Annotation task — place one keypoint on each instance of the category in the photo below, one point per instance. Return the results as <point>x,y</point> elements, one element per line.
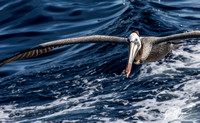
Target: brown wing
<point>178,37</point>
<point>45,47</point>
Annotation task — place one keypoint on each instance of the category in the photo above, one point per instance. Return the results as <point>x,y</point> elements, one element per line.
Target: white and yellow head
<point>134,47</point>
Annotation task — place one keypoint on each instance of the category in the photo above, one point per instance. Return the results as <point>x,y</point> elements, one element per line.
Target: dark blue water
<point>86,82</point>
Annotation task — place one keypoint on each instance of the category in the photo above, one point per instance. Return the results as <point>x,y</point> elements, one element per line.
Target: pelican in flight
<point>141,49</point>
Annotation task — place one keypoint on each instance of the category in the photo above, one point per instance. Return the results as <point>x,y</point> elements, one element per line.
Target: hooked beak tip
<point>128,69</point>
<point>127,75</point>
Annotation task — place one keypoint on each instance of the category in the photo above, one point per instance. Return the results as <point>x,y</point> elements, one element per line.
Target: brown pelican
<point>141,49</point>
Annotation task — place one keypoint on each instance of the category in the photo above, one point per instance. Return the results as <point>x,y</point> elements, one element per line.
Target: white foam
<point>5,112</point>
<point>109,120</point>
<point>78,102</point>
<point>172,110</point>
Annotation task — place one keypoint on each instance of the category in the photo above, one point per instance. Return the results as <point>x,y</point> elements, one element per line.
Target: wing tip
<point>1,65</point>
<point>2,62</point>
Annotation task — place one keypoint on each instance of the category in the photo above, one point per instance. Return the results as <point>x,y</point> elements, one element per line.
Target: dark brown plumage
<point>156,48</point>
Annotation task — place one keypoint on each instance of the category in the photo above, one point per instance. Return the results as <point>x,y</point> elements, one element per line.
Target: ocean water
<point>86,82</point>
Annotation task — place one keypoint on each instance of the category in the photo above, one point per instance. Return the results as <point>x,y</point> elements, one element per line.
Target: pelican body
<point>151,52</point>
<point>141,49</point>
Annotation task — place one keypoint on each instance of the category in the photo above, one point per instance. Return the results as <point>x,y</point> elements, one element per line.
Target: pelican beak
<point>133,49</point>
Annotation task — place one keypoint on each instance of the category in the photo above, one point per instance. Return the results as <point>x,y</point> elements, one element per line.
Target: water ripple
<point>85,82</point>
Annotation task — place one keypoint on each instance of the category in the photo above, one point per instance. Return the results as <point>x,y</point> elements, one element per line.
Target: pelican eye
<point>137,42</point>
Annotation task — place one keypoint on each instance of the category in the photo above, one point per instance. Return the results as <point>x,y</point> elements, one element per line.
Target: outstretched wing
<point>178,37</point>
<point>45,47</point>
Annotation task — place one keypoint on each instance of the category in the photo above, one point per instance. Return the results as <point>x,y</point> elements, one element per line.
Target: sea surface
<point>86,82</point>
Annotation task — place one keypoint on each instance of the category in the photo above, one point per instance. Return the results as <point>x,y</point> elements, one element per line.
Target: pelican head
<point>134,47</point>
